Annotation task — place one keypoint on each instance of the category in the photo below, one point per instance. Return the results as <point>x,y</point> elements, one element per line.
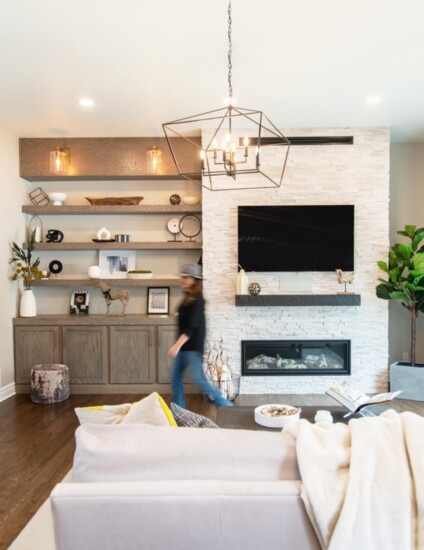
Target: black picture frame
<point>158,300</point>
<point>80,300</point>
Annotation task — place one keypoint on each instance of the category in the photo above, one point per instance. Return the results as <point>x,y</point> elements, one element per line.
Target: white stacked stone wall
<point>315,175</point>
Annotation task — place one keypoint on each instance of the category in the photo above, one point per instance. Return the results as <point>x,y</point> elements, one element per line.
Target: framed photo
<point>80,301</point>
<point>158,300</point>
<point>114,264</point>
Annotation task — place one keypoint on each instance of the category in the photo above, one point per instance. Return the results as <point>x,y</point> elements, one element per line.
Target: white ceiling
<point>304,63</point>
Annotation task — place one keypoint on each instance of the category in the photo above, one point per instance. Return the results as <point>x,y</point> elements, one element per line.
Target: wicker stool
<point>49,383</point>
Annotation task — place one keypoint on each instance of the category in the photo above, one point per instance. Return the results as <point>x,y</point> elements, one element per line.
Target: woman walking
<point>188,349</point>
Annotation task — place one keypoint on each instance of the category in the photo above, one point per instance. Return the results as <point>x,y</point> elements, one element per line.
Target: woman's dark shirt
<point>191,321</point>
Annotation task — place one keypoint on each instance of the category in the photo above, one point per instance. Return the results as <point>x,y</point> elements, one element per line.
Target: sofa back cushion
<point>128,452</point>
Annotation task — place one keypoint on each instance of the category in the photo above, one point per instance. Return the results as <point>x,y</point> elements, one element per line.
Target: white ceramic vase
<point>242,283</point>
<point>28,305</point>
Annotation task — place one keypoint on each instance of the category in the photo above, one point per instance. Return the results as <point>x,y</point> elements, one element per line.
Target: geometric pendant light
<point>231,148</point>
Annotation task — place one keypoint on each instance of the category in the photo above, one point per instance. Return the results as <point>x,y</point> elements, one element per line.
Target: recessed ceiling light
<point>86,102</point>
<point>373,100</point>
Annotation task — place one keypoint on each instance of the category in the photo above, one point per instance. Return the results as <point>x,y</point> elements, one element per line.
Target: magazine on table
<point>354,399</point>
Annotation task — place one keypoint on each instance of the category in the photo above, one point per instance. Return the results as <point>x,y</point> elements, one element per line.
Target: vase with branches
<point>405,277</point>
<point>24,265</point>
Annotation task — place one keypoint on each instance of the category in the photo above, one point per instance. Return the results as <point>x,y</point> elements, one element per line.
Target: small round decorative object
<point>190,226</point>
<point>54,236</point>
<point>323,416</point>
<point>254,289</point>
<point>55,267</point>
<point>276,415</point>
<point>175,199</point>
<point>103,234</point>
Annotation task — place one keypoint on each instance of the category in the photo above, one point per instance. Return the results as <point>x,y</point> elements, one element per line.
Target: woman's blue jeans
<point>193,359</point>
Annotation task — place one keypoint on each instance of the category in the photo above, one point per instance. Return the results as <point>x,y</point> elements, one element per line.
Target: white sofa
<point>146,487</point>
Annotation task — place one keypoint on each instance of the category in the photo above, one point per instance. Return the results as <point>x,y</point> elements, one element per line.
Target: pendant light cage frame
<point>236,164</point>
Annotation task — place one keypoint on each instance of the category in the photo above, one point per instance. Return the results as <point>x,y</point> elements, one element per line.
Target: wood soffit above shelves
<point>103,158</point>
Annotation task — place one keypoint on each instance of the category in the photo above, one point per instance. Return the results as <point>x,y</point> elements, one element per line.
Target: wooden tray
<point>110,201</point>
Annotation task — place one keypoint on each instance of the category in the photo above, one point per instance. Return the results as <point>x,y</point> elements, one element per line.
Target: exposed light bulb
<point>228,138</point>
<point>202,154</point>
<point>86,102</point>
<point>214,144</point>
<point>246,141</point>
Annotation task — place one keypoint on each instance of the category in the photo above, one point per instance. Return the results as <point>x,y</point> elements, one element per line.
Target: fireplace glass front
<point>295,357</point>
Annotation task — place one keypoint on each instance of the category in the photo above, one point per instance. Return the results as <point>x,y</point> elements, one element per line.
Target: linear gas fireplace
<point>295,357</point>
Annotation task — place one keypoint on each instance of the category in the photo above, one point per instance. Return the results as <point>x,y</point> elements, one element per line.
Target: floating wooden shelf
<point>299,300</point>
<point>115,209</point>
<point>172,245</point>
<point>81,282</point>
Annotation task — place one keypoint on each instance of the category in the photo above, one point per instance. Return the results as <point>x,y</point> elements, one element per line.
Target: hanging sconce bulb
<point>59,161</point>
<point>154,160</point>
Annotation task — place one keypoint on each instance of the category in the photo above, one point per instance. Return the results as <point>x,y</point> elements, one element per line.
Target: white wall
<point>13,192</point>
<point>406,207</point>
<point>343,174</point>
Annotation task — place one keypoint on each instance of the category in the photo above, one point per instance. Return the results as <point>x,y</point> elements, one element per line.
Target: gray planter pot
<point>408,379</point>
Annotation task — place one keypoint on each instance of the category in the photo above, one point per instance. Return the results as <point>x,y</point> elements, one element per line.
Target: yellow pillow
<point>150,410</point>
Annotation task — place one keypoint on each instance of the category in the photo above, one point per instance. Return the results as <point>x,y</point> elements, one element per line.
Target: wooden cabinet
<point>166,337</point>
<point>85,351</point>
<point>109,354</point>
<point>132,355</point>
<point>35,345</point>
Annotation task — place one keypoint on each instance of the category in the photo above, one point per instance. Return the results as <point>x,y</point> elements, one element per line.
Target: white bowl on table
<point>267,415</point>
<point>57,198</point>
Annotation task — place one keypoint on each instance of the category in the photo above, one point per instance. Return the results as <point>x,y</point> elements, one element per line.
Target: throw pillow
<point>102,414</point>
<point>150,410</point>
<point>185,418</point>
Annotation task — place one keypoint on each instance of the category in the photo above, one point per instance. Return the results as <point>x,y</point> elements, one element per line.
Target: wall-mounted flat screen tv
<point>296,238</point>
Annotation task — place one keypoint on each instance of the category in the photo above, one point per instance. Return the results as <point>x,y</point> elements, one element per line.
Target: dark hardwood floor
<point>37,446</point>
<point>36,451</point>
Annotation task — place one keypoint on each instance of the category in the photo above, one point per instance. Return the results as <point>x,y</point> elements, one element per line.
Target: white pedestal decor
<point>28,306</point>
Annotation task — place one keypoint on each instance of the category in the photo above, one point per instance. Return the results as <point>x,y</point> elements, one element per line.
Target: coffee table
<point>243,417</point>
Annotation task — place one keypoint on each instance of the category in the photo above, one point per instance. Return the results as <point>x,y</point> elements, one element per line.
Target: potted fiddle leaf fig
<point>405,282</point>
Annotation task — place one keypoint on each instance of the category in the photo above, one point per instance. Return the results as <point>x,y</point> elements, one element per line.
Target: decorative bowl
<point>57,198</point>
<point>114,201</point>
<point>139,275</point>
<point>276,415</point>
<point>191,200</point>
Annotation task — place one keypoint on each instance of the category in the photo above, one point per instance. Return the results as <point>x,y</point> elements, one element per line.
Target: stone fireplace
<point>295,357</point>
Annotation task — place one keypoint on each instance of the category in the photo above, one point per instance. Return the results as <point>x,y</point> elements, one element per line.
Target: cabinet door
<point>34,346</point>
<point>85,353</point>
<point>167,335</point>
<point>132,355</point>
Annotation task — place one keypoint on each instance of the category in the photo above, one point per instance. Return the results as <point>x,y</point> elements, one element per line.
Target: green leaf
<point>418,261</point>
<point>383,291</point>
<point>399,295</point>
<point>418,237</point>
<point>410,230</point>
<point>394,275</point>
<point>383,266</point>
<point>404,251</point>
<point>414,288</point>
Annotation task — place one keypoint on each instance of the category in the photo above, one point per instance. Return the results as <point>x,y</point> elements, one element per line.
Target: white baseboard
<point>7,391</point>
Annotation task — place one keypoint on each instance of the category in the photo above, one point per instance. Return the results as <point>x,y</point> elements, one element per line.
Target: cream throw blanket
<point>363,483</point>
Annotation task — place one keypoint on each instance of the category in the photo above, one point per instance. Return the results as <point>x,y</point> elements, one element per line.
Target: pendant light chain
<point>230,52</point>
